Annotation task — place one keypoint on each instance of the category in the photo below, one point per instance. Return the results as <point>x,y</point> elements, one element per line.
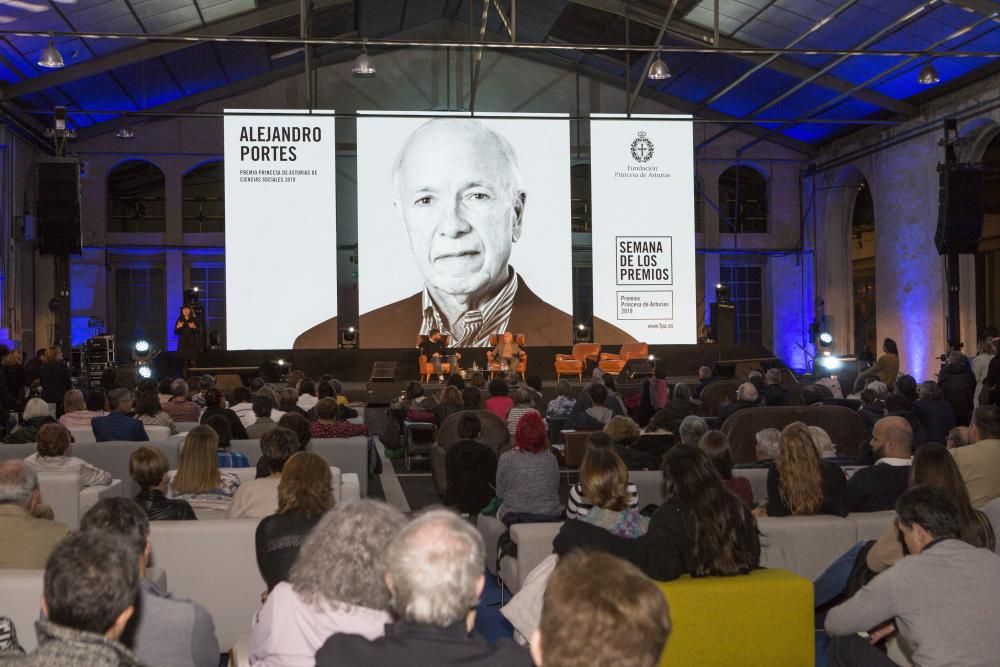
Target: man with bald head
<point>876,488</point>
<point>746,397</point>
<point>457,191</point>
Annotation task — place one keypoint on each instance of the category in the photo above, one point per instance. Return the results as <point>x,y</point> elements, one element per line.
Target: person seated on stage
<point>716,445</point>
<point>774,394</point>
<point>507,352</point>
<point>215,401</point>
<point>523,404</point>
<point>330,422</point>
<point>472,399</point>
<point>259,497</point>
<point>53,456</point>
<point>307,395</point>
<point>624,434</point>
<point>76,414</point>
<point>528,477</point>
<point>263,405</point>
<point>578,503</point>
<point>180,407</point>
<point>746,397</point>
<point>596,415</point>
<point>227,457</point>
<point>499,403</point>
<point>470,469</point>
<point>119,425</point>
<point>561,406</point>
<point>243,407</point>
<point>148,466</point>
<point>436,351</point>
<point>941,599</point>
<point>198,479</point>
<point>957,437</point>
<point>149,411</point>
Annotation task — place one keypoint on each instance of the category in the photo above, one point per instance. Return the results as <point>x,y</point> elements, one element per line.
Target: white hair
<point>434,565</point>
<point>880,388</point>
<point>691,429</point>
<point>17,482</point>
<point>36,407</point>
<point>747,392</point>
<point>767,443</point>
<point>824,445</point>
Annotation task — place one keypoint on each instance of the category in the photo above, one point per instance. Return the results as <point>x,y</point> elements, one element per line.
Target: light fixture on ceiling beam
<point>928,75</point>
<point>658,69</point>
<point>50,58</point>
<point>364,66</point>
<point>125,130</point>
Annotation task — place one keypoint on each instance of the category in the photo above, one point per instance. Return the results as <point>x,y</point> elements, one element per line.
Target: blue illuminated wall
<point>791,281</point>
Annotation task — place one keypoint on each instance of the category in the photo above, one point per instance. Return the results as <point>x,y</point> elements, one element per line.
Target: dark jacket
<point>54,377</point>
<point>958,385</point>
<point>636,459</point>
<point>876,488</point>
<point>418,645</point>
<point>578,534</point>
<point>59,646</point>
<point>188,339</point>
<point>834,491</point>
<point>937,418</point>
<point>677,409</point>
<point>235,425</point>
<point>470,470</point>
<point>727,410</point>
<point>278,540</point>
<point>776,395</point>
<point>118,426</point>
<point>871,414</point>
<point>160,508</point>
<point>28,431</point>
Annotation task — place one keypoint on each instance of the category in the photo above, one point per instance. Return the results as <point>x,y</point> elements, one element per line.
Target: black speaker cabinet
<point>723,323</point>
<point>960,208</point>
<point>57,209</point>
<point>383,393</point>
<point>383,371</point>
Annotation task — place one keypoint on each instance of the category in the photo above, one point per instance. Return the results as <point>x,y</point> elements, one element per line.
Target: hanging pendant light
<point>364,66</point>
<point>659,70</point>
<point>928,75</point>
<point>50,58</point>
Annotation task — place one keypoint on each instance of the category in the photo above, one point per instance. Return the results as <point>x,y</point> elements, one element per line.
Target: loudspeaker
<point>57,219</point>
<point>383,393</point>
<point>383,371</point>
<point>724,323</point>
<point>960,208</point>
<point>639,368</point>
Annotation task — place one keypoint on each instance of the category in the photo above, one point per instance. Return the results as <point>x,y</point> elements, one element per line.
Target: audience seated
<point>826,449</point>
<point>578,503</point>
<point>330,423</point>
<point>119,424</point>
<point>716,445</point>
<point>180,407</point>
<point>624,434</point>
<point>799,483</point>
<point>470,468</point>
<point>75,412</point>
<point>906,386</point>
<point>263,405</point>
<point>337,587</point>
<point>297,424</point>
<point>25,540</point>
<point>600,610</point>
<point>528,477</point>
<point>499,403</point>
<point>199,388</point>
<point>524,402</point>
<point>450,401</point>
<point>979,462</point>
<point>876,488</point>
<point>814,394</point>
<point>958,386</point>
<point>670,417</point>
<point>149,411</point>
<point>276,414</point>
<point>705,378</point>
<point>163,390</point>
<point>259,497</point>
<point>53,456</point>
<point>691,429</point>
<point>148,466</point>
<point>90,593</point>
<point>871,409</point>
<point>654,395</point>
<point>472,399</point>
<point>561,406</point>
<point>774,394</point>
<point>591,411</point>
<point>53,375</point>
<point>435,577</point>
<point>307,395</point>
<point>166,630</point>
<point>198,479</point>
<point>609,519</point>
<point>304,496</point>
<point>957,437</point>
<point>227,457</point>
<point>941,599</point>
<point>215,402</point>
<point>766,449</point>
<point>614,398</point>
<point>701,529</point>
<point>746,397</point>
<point>243,407</point>
<point>288,401</point>
<point>897,405</point>
<point>935,414</point>
<point>35,415</point>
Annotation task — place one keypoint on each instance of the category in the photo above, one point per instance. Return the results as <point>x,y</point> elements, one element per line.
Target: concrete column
<point>175,280</point>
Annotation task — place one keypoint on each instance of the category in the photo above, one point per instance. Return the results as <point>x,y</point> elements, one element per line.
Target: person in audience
<point>871,409</point>
<point>14,376</point>
<point>25,540</point>
<point>75,412</point>
<point>470,468</point>
<point>578,504</point>
<point>228,458</point>
<point>198,479</point>
<point>897,405</point>
<point>304,496</point>
<point>611,521</point>
<point>533,383</point>
<point>701,529</point>
<point>338,390</point>
<point>814,394</point>
<point>624,434</point>
<point>32,365</point>
<point>54,376</point>
<point>958,386</point>
<point>52,456</point>
<point>876,488</point>
<point>119,424</point>
<point>415,398</point>
<point>330,423</point>
<point>886,368</point>
<point>561,406</point>
<point>434,573</point>
<point>36,414</point>
<point>499,403</point>
<point>259,497</point>
<point>472,399</point>
<point>935,414</point>
<point>654,395</point>
<point>263,405</point>
<point>691,429</point>
<point>215,402</point>
<point>243,407</point>
<point>705,378</point>
<point>528,477</point>
<point>287,401</point>
<point>746,397</point>
<point>800,483</point>
<point>478,380</point>
<point>89,595</point>
<point>325,390</point>
<point>774,394</point>
<point>766,450</point>
<point>756,378</point>
<point>941,599</point>
<point>456,381</point>
<point>307,395</point>
<point>149,411</point>
<point>618,618</point>
<point>148,466</point>
<point>980,365</point>
<point>716,445</point>
<point>523,404</point>
<point>825,447</point>
<point>294,378</point>
<point>957,437</point>
<point>167,630</point>
<point>298,425</point>
<point>906,386</point>
<point>163,390</point>
<point>337,585</point>
<point>449,403</point>
<point>596,414</point>
<point>276,414</point>
<point>614,397</point>
<point>679,408</point>
<point>979,462</point>
<point>180,407</point>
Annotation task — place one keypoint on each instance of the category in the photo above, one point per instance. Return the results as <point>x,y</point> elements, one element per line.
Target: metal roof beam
<point>984,7</point>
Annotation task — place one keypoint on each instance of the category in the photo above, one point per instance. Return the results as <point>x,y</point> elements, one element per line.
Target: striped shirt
<point>476,326</point>
<point>578,505</point>
<point>515,414</point>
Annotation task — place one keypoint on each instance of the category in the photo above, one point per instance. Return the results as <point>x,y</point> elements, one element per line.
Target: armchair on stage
<point>576,363</point>
<point>424,363</point>
<point>615,363</point>
<point>493,365</point>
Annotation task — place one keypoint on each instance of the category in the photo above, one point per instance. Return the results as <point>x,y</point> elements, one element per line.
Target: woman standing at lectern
<point>188,338</point>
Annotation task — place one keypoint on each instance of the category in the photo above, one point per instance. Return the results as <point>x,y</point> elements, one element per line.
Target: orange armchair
<point>573,364</point>
<point>615,363</point>
<point>493,365</point>
<point>426,366</point>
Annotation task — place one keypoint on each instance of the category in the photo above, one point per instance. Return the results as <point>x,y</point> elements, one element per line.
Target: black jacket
<point>936,417</point>
<point>54,377</point>
<point>776,395</point>
<point>418,645</point>
<point>876,488</point>
<point>471,469</point>
<point>726,411</point>
<point>160,508</point>
<point>636,459</point>
<point>958,385</point>
<point>578,534</point>
<point>239,431</point>
<point>677,409</point>
<point>834,491</point>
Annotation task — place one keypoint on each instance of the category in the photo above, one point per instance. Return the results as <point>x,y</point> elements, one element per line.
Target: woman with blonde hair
<point>800,483</point>
<point>198,479</point>
<point>75,412</point>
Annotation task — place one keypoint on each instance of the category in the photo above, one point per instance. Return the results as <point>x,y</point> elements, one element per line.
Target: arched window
<point>137,198</point>
<point>204,199</point>
<point>742,201</point>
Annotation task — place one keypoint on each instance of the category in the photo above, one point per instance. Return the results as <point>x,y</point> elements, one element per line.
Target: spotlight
<point>721,293</point>
<point>652,358</point>
<point>580,327</point>
<point>142,346</point>
<point>50,58</point>
<point>928,75</point>
<point>145,372</point>
<point>831,363</point>
<point>350,329</point>
<point>826,339</point>
<point>582,334</point>
<point>349,338</point>
<point>364,66</point>
<point>196,289</point>
<point>281,362</point>
<point>659,70</point>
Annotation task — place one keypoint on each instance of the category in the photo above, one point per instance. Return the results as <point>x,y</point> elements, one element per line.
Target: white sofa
<point>69,499</point>
<point>20,601</point>
<point>348,454</point>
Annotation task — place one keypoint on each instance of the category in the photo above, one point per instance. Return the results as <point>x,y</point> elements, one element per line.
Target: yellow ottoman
<point>763,618</point>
